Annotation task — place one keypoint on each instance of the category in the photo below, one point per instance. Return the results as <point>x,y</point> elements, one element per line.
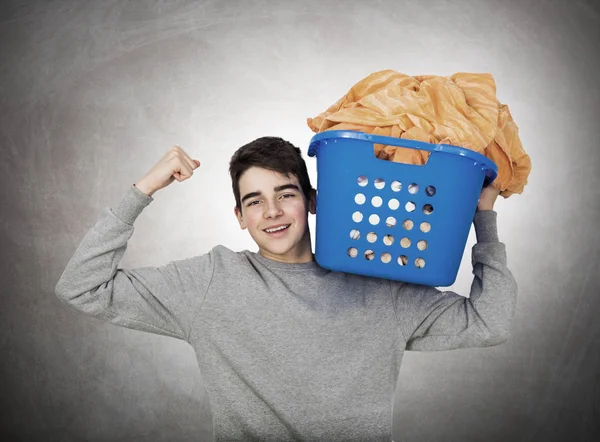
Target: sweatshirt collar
<point>272,264</point>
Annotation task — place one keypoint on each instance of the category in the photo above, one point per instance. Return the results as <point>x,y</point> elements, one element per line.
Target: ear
<point>239,217</point>
<point>312,202</point>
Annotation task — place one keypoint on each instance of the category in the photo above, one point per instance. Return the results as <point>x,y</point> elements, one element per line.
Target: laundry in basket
<point>390,220</point>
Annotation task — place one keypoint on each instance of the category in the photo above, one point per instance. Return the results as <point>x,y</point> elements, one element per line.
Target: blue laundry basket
<point>390,220</point>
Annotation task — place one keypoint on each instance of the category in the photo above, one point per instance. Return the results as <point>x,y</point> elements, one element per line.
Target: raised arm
<point>431,319</point>
<point>161,300</point>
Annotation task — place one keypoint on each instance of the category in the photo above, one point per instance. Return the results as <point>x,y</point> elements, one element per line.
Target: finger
<point>180,171</point>
<point>188,160</point>
<point>186,171</point>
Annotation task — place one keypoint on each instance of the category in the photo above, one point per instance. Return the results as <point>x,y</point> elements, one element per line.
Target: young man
<point>288,350</point>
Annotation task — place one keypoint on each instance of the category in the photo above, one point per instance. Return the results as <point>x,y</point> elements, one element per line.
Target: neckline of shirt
<point>270,263</point>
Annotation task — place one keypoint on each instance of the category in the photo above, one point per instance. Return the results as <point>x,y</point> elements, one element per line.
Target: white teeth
<point>277,229</point>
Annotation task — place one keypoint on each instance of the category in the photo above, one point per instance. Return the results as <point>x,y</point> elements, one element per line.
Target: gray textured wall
<point>92,95</point>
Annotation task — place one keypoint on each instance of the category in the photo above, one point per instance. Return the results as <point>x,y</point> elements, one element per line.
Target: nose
<point>273,210</point>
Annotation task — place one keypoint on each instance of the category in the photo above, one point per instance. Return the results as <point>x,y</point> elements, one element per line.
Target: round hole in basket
<point>376,201</point>
<point>357,217</point>
<point>352,252</point>
<point>425,227</point>
<point>427,209</point>
<point>371,237</point>
<point>388,240</point>
<point>386,257</point>
<point>403,260</point>
<point>396,186</point>
<point>410,206</point>
<point>393,204</point>
<point>354,234</point>
<point>369,255</point>
<point>405,242</point>
<point>408,224</point>
<point>379,183</point>
<point>413,188</point>
<point>390,221</point>
<point>421,245</point>
<point>374,219</point>
<point>362,181</point>
<point>430,190</point>
<point>420,263</point>
<point>359,198</point>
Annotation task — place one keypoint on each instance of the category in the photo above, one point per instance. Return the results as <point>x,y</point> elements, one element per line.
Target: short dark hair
<point>271,153</point>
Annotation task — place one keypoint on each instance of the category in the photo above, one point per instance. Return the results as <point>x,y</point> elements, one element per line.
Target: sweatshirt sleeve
<point>161,300</point>
<point>431,319</point>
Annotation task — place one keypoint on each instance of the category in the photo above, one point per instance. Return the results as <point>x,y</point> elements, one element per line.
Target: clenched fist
<point>174,165</point>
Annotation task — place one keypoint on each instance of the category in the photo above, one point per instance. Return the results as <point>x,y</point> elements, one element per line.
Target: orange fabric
<point>461,110</point>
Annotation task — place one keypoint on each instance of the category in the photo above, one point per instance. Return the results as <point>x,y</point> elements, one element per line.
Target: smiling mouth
<point>278,229</point>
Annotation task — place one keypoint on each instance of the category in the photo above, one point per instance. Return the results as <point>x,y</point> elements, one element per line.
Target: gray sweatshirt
<point>289,351</point>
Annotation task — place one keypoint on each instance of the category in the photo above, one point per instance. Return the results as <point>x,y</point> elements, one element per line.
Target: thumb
<point>197,163</point>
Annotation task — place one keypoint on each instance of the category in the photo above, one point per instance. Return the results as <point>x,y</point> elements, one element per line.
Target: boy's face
<point>270,200</point>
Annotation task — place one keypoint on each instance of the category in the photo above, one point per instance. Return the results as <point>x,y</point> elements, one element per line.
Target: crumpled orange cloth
<point>461,110</point>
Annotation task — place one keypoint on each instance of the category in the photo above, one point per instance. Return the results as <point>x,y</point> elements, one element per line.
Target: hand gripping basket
<point>392,220</point>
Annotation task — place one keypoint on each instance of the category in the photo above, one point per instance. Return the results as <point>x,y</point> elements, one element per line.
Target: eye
<point>252,203</point>
<point>285,195</point>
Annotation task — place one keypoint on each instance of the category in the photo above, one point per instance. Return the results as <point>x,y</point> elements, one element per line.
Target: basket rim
<point>382,139</point>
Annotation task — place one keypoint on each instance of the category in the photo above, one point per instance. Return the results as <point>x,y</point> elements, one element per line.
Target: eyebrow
<point>276,189</point>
